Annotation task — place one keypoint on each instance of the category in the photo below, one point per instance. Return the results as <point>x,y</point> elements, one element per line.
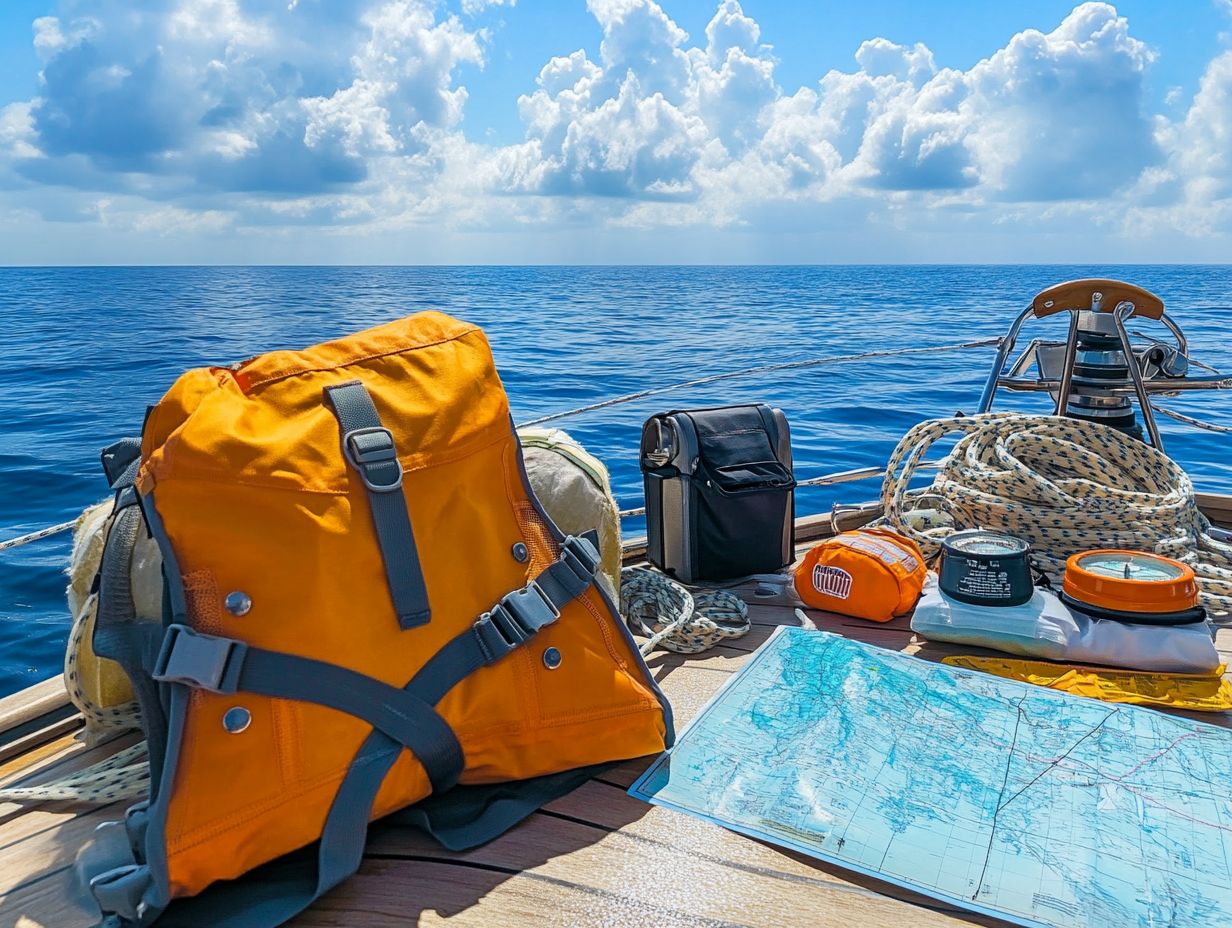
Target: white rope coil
<point>669,615</point>
<point>123,716</point>
<point>1065,486</point>
<point>126,774</point>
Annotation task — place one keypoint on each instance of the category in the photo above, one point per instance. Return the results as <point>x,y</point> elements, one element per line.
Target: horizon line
<point>546,265</point>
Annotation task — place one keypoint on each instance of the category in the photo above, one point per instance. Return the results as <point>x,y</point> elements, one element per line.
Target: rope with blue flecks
<point>37,536</point>
<point>123,775</point>
<point>1065,486</point>
<point>668,614</point>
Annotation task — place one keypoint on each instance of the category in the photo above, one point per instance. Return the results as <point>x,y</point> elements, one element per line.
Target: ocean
<point>87,349</point>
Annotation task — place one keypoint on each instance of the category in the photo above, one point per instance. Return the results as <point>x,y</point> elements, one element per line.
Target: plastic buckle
<point>121,891</point>
<point>203,661</point>
<point>531,607</point>
<point>371,451</point>
<point>514,620</point>
<point>581,556</point>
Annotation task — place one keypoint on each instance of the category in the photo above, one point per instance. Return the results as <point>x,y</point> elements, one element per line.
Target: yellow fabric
<point>97,686</point>
<point>1202,693</point>
<point>90,679</point>
<point>92,682</point>
<point>245,470</point>
<point>103,681</point>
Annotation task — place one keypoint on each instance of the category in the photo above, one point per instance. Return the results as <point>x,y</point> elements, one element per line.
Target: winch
<point>1100,366</point>
<point>984,568</point>
<point>1095,372</point>
<point>1133,587</point>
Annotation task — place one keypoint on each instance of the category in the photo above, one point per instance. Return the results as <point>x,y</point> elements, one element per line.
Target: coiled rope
<point>1064,485</point>
<point>669,615</point>
<point>123,716</point>
<point>124,775</point>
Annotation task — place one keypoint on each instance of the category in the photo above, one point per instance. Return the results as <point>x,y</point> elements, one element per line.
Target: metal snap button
<point>236,719</point>
<point>551,658</point>
<point>238,603</point>
<point>521,553</point>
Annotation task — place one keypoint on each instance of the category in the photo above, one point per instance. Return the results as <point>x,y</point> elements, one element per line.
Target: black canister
<point>984,568</point>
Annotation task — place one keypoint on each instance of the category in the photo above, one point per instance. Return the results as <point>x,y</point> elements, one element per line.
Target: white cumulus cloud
<point>257,97</point>
<point>1051,116</point>
<point>353,116</point>
<point>1204,140</point>
<point>1063,115</point>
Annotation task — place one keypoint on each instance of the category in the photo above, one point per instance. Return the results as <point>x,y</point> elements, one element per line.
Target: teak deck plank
<point>597,856</point>
<point>31,703</point>
<point>594,857</point>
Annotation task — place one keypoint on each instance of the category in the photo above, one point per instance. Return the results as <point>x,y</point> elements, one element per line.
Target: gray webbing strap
<point>461,656</point>
<point>511,622</point>
<point>115,582</point>
<point>120,462</point>
<point>118,634</point>
<point>224,665</point>
<point>278,891</point>
<point>473,814</point>
<point>369,448</point>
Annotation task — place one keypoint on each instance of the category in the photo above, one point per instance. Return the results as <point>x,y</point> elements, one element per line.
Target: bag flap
<point>736,449</point>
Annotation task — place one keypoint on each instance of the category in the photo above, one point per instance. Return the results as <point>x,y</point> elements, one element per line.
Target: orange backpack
<point>364,605</point>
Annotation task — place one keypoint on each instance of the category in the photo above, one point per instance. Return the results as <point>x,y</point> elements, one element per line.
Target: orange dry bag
<point>870,573</point>
<point>364,605</point>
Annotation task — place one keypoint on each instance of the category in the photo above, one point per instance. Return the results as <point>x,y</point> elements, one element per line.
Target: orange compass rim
<point>1126,595</point>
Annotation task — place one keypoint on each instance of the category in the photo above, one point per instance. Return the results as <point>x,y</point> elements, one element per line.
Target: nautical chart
<point>998,796</point>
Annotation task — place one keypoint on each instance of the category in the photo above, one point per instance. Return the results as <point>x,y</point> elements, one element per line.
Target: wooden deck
<point>596,857</point>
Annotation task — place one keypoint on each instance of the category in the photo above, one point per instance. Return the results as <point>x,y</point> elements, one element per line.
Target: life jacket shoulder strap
<point>370,450</point>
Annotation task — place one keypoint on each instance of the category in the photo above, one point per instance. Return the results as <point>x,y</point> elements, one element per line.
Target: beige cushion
<point>576,493</point>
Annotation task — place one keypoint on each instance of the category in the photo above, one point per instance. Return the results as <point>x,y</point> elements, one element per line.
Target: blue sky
<point>409,131</point>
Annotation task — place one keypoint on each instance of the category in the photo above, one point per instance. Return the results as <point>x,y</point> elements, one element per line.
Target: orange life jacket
<point>364,606</point>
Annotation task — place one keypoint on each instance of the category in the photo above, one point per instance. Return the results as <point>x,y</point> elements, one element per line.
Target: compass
<point>1132,586</point>
<point>984,568</point>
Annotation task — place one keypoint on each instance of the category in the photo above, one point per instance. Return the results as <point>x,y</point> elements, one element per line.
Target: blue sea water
<point>85,350</point>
